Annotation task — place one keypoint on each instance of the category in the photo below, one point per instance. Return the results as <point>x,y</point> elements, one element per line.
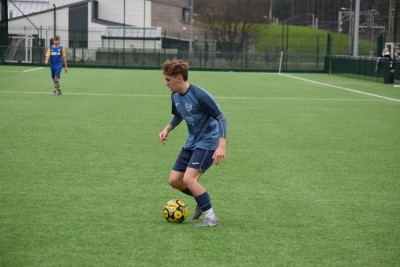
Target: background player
<point>57,56</point>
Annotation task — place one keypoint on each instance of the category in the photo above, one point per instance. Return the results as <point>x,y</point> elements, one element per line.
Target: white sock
<point>209,214</point>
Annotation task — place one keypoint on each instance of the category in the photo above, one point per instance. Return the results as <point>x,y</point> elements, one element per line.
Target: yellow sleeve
<point>64,54</point>
<point>48,52</point>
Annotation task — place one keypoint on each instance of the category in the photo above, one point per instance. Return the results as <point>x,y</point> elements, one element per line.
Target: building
<point>91,27</point>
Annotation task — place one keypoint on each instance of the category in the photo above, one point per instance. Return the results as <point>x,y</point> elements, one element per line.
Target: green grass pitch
<point>312,179</point>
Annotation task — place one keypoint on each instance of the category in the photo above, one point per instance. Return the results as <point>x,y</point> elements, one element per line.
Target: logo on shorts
<point>188,106</point>
<point>195,163</point>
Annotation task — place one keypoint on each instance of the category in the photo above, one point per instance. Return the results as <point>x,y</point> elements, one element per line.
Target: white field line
<point>342,88</point>
<point>33,69</point>
<point>294,98</point>
<point>217,97</point>
<point>11,71</point>
<point>19,71</point>
<point>85,94</point>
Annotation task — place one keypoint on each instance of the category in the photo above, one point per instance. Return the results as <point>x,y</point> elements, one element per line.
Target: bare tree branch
<point>231,22</point>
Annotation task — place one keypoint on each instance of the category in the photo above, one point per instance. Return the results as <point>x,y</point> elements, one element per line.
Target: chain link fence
<point>289,53</point>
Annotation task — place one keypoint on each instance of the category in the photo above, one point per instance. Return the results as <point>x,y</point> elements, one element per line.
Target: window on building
<point>186,15</point>
<point>78,26</point>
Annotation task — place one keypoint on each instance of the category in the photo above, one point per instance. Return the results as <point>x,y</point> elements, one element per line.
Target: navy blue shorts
<point>199,159</point>
<point>56,72</point>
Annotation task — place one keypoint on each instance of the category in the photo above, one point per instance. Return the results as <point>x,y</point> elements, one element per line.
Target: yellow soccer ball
<point>175,211</point>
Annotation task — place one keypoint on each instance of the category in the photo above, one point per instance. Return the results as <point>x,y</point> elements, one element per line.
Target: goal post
<point>280,62</point>
<point>19,49</point>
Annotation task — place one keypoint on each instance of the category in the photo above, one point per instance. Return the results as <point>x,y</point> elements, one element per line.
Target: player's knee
<point>188,180</point>
<point>175,183</point>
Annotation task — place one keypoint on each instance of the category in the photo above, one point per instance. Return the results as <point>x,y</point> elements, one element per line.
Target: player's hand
<point>65,69</point>
<point>163,136</point>
<point>220,155</point>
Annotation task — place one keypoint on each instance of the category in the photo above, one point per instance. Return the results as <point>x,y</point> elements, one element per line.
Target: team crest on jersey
<point>188,106</point>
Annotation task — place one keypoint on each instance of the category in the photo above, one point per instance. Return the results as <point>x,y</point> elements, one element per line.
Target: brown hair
<point>56,38</point>
<point>175,68</point>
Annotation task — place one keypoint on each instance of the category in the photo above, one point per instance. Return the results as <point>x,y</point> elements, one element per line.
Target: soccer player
<point>57,56</point>
<point>206,141</point>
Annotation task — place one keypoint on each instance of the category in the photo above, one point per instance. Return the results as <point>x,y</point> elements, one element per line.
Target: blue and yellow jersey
<point>56,55</point>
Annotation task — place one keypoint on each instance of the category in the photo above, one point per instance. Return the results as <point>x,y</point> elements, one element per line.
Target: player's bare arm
<point>220,153</point>
<point>46,61</point>
<point>64,59</point>
<point>65,65</point>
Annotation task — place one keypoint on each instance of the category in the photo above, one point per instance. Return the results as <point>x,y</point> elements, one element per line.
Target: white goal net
<point>19,50</point>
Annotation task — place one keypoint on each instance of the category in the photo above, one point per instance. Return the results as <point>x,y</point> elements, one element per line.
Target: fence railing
<point>374,68</point>
<point>149,58</point>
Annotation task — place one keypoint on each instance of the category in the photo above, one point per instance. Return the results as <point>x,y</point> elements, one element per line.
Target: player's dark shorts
<point>56,72</point>
<point>199,159</point>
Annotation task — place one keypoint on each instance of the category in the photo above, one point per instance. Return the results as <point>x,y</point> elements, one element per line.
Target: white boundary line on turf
<point>342,88</point>
<point>15,71</point>
<point>293,98</point>
<point>19,71</point>
<point>33,69</point>
<point>217,97</point>
<point>85,94</point>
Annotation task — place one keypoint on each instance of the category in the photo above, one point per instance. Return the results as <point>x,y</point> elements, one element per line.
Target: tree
<point>232,23</point>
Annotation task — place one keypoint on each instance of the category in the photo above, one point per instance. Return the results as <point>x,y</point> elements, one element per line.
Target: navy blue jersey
<point>203,118</point>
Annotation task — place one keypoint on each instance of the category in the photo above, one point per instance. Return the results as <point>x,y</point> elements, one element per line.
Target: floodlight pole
<point>356,28</point>
<point>144,30</point>
<point>124,25</point>
<point>55,19</point>
<point>395,23</point>
<point>123,38</point>
<point>350,25</point>
<point>191,31</point>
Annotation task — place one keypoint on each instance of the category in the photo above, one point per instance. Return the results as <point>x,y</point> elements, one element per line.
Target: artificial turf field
<point>312,179</point>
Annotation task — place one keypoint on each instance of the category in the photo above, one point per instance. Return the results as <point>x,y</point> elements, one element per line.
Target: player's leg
<point>186,179</point>
<point>57,76</point>
<point>201,160</point>
<point>53,75</point>
<point>56,83</point>
<point>191,180</point>
<point>178,170</point>
<point>202,197</point>
<point>198,211</point>
<point>175,180</point>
